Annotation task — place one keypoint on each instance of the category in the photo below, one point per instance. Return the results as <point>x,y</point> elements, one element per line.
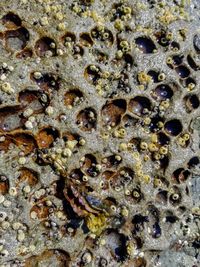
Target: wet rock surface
<point>99,133</point>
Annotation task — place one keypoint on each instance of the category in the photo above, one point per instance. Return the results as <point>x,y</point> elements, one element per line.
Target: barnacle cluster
<point>99,133</point>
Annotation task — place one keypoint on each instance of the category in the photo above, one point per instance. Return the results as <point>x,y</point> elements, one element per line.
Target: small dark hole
<point>182,71</point>
<point>146,45</point>
<point>173,127</point>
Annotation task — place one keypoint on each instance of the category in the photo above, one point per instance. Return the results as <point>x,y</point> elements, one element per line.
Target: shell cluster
<point>99,133</point>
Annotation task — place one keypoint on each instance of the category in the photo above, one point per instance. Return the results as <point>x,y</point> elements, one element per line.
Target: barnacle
<point>99,133</point>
